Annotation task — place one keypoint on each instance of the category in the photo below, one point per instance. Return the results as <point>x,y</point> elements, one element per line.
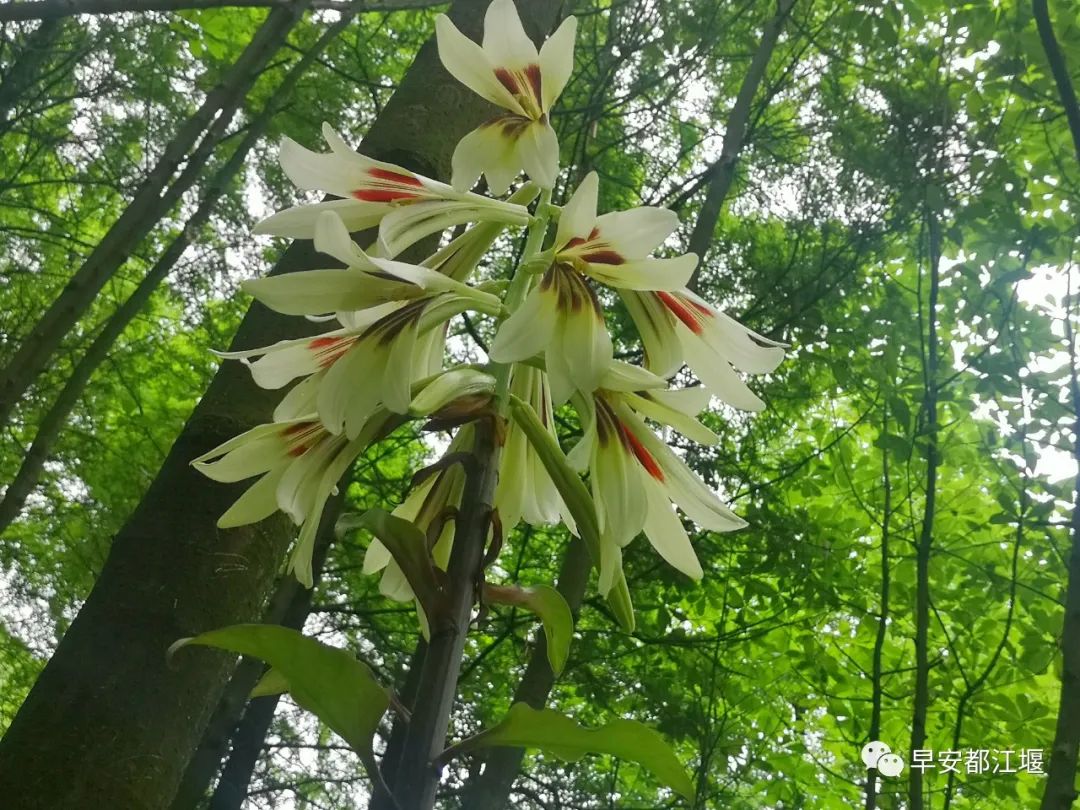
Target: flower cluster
<point>383,363</point>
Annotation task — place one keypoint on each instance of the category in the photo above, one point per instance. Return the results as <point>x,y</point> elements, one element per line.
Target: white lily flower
<point>508,71</point>
<point>678,325</point>
<point>636,477</point>
<point>299,464</point>
<point>406,206</point>
<point>562,316</point>
<point>368,364</point>
<point>614,248</point>
<point>563,319</point>
<point>525,490</point>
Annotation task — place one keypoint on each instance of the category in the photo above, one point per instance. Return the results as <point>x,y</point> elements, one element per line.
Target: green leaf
<point>409,548</point>
<point>328,682</point>
<point>892,443</point>
<point>554,613</point>
<point>271,683</point>
<point>556,734</point>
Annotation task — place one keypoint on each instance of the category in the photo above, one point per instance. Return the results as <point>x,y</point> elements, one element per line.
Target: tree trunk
<point>722,172</point>
<point>926,535</point>
<point>877,687</point>
<point>1060,791</point>
<point>53,422</point>
<point>491,789</point>
<point>108,723</point>
<point>146,208</point>
<point>289,607</point>
<point>55,9</point>
<point>1059,70</point>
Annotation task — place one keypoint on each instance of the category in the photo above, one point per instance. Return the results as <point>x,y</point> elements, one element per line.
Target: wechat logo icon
<point>877,754</point>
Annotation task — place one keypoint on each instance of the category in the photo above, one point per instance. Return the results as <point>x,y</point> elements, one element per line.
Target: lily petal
<point>667,535</point>
<point>645,274</point>
<point>655,325</point>
<point>528,331</point>
<point>538,148</point>
<point>578,216</point>
<point>485,151</point>
<point>557,62</point>
<point>469,64</point>
<point>299,222</point>
<point>505,41</point>
<point>257,503</point>
<point>637,232</point>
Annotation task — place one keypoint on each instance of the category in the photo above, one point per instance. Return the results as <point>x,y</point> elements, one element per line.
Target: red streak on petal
<point>298,451</point>
<point>299,427</point>
<point>595,232</point>
<point>331,347</point>
<point>681,311</point>
<point>643,455</point>
<point>704,310</point>
<point>532,73</point>
<point>383,195</point>
<point>394,177</point>
<point>507,80</point>
<point>573,243</point>
<point>603,257</point>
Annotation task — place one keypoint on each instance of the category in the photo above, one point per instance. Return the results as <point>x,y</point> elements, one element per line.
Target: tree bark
<point>146,208</point>
<point>883,621</point>
<point>924,546</point>
<point>289,607</point>
<point>1059,70</point>
<point>491,789</point>
<point>108,724</point>
<point>53,422</point>
<point>250,734</point>
<point>56,9</point>
<point>721,174</point>
<point>1060,791</point>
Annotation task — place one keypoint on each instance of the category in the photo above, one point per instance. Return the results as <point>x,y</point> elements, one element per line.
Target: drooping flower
<point>406,206</point>
<point>562,316</point>
<point>361,368</point>
<point>677,326</point>
<point>432,508</point>
<point>525,489</point>
<point>635,477</point>
<point>299,464</point>
<point>390,342</point>
<point>508,71</point>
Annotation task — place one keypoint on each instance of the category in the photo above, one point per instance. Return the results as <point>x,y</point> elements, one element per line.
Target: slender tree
<point>1060,792</point>
<point>53,421</point>
<point>925,542</point>
<point>876,685</point>
<point>720,175</point>
<point>152,200</point>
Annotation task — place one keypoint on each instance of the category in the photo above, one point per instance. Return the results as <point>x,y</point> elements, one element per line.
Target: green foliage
<point>524,726</point>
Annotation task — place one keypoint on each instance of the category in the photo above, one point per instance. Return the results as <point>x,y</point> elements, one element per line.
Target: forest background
<point>889,188</point>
